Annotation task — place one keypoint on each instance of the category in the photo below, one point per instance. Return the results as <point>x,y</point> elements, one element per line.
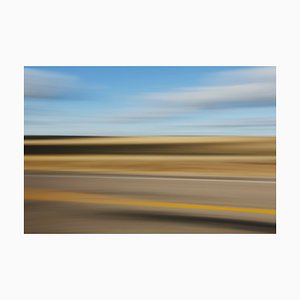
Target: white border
<point>149,33</point>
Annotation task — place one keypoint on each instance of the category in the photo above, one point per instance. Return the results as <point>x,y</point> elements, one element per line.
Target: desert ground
<point>185,156</point>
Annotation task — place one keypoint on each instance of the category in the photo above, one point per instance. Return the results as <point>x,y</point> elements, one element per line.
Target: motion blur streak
<point>228,187</point>
<point>102,199</point>
<point>150,150</point>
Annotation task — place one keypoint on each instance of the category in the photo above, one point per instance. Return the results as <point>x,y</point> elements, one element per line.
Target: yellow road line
<point>38,194</point>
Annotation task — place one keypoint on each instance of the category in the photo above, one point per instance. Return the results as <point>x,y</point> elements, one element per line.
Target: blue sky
<point>150,100</point>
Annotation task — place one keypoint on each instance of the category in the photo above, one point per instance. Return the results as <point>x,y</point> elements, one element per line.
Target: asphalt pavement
<point>112,203</point>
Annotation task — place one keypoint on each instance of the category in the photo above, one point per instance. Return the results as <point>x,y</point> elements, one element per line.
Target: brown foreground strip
<point>49,195</point>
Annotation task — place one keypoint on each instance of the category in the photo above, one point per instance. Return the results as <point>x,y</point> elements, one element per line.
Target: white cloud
<point>45,84</point>
<point>253,87</point>
<point>258,74</point>
<point>249,87</point>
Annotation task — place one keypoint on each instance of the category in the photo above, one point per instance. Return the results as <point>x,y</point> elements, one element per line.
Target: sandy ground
<point>232,156</point>
<point>155,165</point>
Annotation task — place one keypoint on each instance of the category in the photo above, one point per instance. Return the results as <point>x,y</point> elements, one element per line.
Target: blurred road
<point>78,203</point>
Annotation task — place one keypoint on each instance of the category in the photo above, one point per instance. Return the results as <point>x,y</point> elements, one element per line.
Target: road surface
<point>82,203</point>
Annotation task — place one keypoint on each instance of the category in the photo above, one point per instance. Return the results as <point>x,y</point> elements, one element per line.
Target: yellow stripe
<point>38,194</point>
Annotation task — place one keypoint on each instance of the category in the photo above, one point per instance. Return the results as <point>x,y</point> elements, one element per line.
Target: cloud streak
<point>212,106</point>
<point>47,85</point>
<point>253,87</point>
